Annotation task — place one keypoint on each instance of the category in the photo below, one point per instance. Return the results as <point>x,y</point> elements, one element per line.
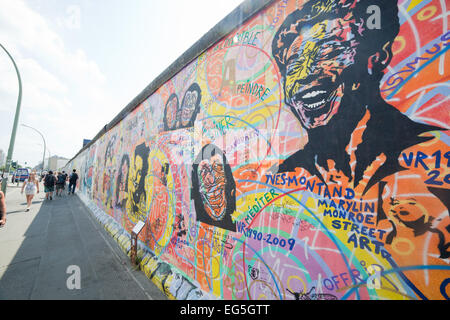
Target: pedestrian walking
<point>73,181</point>
<point>49,185</point>
<point>66,178</point>
<point>31,186</point>
<point>2,209</point>
<point>60,183</point>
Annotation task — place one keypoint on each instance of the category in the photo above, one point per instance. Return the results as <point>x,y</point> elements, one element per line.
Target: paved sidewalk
<point>37,247</point>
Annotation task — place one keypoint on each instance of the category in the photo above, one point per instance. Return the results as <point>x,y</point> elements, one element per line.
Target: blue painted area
<point>437,55</point>
<point>326,230</point>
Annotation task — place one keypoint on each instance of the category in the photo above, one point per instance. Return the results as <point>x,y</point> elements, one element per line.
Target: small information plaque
<point>138,227</point>
<point>134,234</point>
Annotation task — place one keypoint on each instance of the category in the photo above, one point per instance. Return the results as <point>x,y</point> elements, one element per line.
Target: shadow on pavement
<point>42,245</point>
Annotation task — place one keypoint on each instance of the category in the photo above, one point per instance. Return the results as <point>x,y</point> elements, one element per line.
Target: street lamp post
<point>43,157</point>
<point>49,153</point>
<point>16,120</point>
<point>49,157</point>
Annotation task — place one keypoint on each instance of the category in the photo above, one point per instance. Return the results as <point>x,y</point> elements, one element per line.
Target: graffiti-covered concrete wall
<point>304,155</point>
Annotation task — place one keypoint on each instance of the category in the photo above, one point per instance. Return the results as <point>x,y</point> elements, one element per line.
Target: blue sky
<point>83,61</point>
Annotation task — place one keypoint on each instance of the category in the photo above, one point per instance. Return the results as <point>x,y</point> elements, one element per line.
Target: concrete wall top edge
<point>234,19</point>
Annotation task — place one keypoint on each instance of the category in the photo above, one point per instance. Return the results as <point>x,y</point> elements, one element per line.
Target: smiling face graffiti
<point>212,179</point>
<point>182,116</point>
<point>213,188</point>
<point>325,51</point>
<point>331,65</point>
<point>171,112</point>
<point>316,60</point>
<point>188,107</point>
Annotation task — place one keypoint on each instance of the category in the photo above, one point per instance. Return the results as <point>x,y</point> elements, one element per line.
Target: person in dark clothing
<point>73,181</point>
<point>60,183</point>
<point>49,185</point>
<point>65,176</point>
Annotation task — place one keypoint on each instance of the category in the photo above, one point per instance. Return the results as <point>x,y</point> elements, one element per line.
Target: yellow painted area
<point>216,272</point>
<point>413,4</point>
<point>148,266</point>
<point>382,287</point>
<point>323,6</point>
<point>300,70</point>
<point>151,182</point>
<point>241,105</point>
<point>311,203</point>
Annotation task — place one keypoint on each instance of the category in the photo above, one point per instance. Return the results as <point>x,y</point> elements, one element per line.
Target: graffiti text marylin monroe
<point>350,214</point>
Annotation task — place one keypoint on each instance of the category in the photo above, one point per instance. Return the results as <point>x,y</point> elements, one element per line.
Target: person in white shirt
<point>31,186</point>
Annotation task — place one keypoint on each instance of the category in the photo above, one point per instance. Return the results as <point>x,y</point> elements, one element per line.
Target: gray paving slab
<point>37,247</point>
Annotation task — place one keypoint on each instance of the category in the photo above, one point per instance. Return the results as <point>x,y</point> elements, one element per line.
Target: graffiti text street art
<point>303,156</point>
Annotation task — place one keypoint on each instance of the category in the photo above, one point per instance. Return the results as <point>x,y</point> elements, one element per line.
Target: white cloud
<point>65,93</point>
<point>63,90</point>
<point>40,78</point>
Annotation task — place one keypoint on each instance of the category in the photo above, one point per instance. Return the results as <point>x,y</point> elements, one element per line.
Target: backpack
<point>61,179</point>
<point>73,177</point>
<point>49,180</point>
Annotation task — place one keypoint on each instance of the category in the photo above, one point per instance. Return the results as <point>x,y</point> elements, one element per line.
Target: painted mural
<point>303,156</point>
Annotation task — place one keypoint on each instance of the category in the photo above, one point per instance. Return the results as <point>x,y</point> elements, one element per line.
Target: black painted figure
<point>331,63</point>
<point>137,199</point>
<point>122,182</point>
<point>171,112</point>
<point>190,106</point>
<point>213,188</point>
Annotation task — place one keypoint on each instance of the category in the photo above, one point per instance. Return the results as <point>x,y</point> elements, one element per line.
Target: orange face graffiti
<point>188,107</point>
<point>212,186</point>
<point>171,112</point>
<point>317,59</point>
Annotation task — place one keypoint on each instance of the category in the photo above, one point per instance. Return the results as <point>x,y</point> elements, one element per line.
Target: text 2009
<point>270,239</point>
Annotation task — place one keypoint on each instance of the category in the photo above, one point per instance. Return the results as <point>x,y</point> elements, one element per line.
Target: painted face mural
<point>171,112</point>
<point>136,184</point>
<point>109,154</point>
<point>315,48</point>
<point>136,173</point>
<point>213,188</point>
<point>124,170</point>
<point>189,106</point>
<point>331,64</point>
<point>411,215</point>
<point>315,64</point>
<point>212,179</point>
<point>122,182</point>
